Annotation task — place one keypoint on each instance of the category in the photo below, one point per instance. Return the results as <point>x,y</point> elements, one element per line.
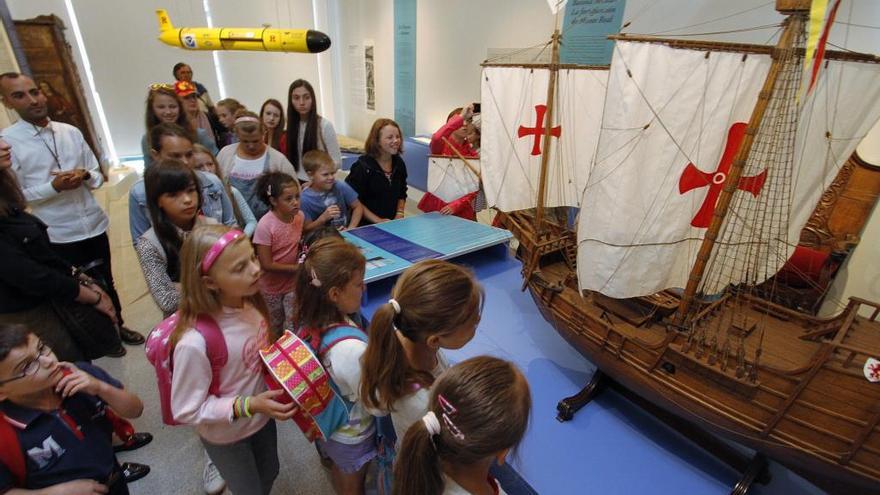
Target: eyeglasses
<point>32,366</point>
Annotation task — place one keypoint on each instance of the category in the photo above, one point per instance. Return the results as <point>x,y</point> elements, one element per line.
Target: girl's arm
<point>264,253</point>
<point>165,292</point>
<point>190,401</point>
<point>247,215</point>
<point>357,212</point>
<point>401,205</point>
<point>369,215</point>
<point>331,142</point>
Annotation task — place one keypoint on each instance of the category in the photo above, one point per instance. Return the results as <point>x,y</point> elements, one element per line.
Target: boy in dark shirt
<point>55,419</point>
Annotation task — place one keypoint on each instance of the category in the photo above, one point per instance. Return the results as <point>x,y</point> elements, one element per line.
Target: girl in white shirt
<point>434,305</point>
<point>479,411</point>
<point>306,130</point>
<point>219,275</point>
<point>329,286</point>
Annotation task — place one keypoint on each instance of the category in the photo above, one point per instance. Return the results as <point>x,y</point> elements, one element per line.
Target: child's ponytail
<point>479,409</point>
<point>418,471</point>
<point>432,297</point>
<point>386,373</point>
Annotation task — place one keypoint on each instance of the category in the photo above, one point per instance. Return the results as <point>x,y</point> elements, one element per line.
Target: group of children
<point>454,422</point>
<point>287,268</point>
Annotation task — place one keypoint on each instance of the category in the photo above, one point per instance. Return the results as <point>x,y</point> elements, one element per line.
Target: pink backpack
<point>159,355</point>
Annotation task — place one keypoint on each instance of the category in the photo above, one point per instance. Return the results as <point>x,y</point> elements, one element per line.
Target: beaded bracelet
<point>236,408</point>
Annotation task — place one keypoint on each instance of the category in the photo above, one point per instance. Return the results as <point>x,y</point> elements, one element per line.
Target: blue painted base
<point>611,445</point>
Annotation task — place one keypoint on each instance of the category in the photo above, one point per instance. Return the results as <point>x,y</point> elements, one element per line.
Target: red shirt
<point>439,147</point>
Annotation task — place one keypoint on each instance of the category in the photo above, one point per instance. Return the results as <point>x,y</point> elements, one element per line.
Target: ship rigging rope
<point>710,21</point>
<point>731,31</point>
<point>514,53</point>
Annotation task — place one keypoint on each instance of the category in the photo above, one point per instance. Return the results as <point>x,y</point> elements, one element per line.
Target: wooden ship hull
<point>806,403</point>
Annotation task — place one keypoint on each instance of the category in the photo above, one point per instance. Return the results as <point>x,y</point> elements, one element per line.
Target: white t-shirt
<point>409,409</point>
<point>246,168</point>
<point>450,487</point>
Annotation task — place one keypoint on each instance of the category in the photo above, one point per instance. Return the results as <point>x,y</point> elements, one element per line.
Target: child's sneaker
<point>214,483</point>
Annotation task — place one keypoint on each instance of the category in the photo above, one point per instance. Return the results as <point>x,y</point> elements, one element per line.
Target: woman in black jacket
<point>31,274</point>
<point>379,175</point>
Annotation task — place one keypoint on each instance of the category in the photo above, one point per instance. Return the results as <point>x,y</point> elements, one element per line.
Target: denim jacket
<point>215,204</point>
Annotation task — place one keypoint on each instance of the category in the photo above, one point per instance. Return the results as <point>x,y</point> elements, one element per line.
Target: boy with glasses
<point>54,421</point>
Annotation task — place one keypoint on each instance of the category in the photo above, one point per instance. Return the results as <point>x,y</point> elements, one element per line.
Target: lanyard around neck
<point>54,149</point>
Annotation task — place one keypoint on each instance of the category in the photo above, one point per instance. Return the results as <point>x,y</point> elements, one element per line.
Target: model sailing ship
<point>695,165</point>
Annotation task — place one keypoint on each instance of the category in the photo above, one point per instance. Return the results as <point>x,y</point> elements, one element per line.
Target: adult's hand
<point>467,112</point>
<point>65,181</point>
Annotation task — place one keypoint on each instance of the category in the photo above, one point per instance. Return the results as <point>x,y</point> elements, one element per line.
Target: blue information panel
<point>405,65</point>
<point>391,247</point>
<point>585,29</point>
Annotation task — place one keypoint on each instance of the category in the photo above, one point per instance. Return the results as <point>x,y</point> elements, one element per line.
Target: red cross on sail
<point>694,178</point>
<point>538,130</point>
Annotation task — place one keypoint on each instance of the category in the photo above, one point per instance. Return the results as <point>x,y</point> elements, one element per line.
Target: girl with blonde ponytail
<point>434,305</point>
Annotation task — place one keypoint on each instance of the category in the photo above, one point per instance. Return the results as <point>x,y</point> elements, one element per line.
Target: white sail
<point>450,178</point>
<point>667,107</point>
<point>513,100</point>
<point>645,208</point>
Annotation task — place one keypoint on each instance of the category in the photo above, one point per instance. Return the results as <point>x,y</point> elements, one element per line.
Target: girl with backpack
<point>329,286</point>
<point>230,407</point>
<point>434,305</point>
<point>478,413</point>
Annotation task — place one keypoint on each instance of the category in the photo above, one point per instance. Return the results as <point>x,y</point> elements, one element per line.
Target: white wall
<point>121,40</point>
<point>453,37</point>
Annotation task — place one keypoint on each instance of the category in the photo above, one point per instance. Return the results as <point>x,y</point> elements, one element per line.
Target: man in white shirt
<point>57,171</point>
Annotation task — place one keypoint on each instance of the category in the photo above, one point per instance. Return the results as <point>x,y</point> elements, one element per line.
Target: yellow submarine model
<point>260,39</point>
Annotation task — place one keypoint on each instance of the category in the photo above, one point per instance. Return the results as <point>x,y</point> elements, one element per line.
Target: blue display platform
<point>611,446</point>
<point>415,154</point>
<point>393,246</point>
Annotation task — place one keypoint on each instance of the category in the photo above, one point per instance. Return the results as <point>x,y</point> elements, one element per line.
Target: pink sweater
<point>245,332</point>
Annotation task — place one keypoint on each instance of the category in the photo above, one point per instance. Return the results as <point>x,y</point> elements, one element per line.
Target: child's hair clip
<point>303,253</point>
<point>447,406</point>
<point>269,190</point>
<point>453,430</point>
<point>315,281</point>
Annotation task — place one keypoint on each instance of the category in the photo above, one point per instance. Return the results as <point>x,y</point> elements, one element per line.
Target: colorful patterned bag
<point>292,365</point>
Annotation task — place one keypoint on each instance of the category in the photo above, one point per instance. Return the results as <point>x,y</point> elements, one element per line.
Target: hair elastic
<point>394,304</point>
<point>302,254</point>
<point>246,118</point>
<point>217,248</point>
<point>432,424</point>
<point>315,281</point>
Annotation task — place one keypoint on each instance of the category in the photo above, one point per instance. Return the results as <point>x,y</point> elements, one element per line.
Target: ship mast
<point>793,26</point>
<point>548,125</point>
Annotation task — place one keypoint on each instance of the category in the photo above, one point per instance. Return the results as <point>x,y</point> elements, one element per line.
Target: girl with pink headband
<point>219,275</point>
